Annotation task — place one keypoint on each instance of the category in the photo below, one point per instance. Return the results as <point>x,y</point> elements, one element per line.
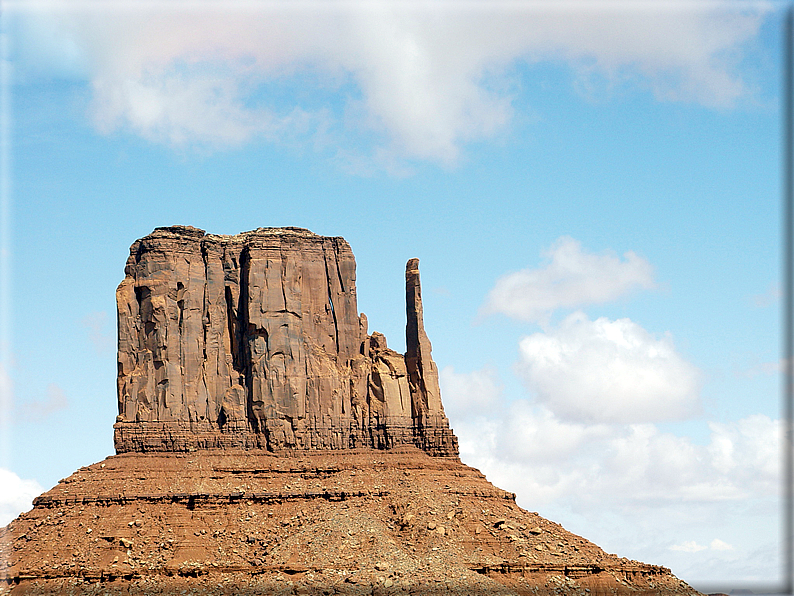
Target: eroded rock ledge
<point>357,522</point>
<point>254,341</point>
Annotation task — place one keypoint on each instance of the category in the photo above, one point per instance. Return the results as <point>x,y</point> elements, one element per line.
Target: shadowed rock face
<point>255,341</point>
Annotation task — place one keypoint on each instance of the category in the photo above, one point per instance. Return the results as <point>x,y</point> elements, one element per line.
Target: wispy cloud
<point>761,369</point>
<point>571,278</point>
<point>718,544</point>
<point>101,337</point>
<point>422,79</point>
<point>771,296</point>
<point>37,410</point>
<point>689,546</point>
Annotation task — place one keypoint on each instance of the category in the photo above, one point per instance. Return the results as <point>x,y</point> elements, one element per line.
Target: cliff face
<point>255,341</point>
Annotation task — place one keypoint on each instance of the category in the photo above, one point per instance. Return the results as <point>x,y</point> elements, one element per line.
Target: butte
<point>266,443</point>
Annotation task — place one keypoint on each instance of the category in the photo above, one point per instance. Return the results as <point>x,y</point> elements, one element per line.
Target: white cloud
<point>570,279</point>
<point>750,449</point>
<point>608,371</point>
<point>469,394</point>
<point>689,547</point>
<point>16,495</point>
<point>633,463</point>
<point>762,369</point>
<point>36,410</point>
<point>528,448</point>
<point>425,78</point>
<point>718,544</point>
<point>636,490</point>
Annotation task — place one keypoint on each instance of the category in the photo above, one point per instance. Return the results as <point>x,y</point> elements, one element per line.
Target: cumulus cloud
<point>16,495</point>
<point>608,371</point>
<point>750,449</point>
<point>526,447</point>
<point>611,469</point>
<point>424,78</point>
<point>571,278</point>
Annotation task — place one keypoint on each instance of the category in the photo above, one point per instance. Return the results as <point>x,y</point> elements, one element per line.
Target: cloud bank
<point>422,79</point>
<point>704,507</point>
<point>526,448</point>
<point>586,445</point>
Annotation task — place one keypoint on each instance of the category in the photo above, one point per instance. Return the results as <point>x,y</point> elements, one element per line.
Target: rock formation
<point>356,521</point>
<point>254,341</point>
<point>267,444</point>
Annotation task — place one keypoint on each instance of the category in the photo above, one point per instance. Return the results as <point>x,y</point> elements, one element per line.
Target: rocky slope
<point>395,521</point>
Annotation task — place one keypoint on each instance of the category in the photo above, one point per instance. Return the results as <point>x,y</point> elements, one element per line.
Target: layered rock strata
<point>254,341</point>
<point>315,522</point>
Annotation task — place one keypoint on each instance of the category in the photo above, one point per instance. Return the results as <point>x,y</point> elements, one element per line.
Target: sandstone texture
<point>254,341</point>
<point>266,443</point>
<point>359,521</point>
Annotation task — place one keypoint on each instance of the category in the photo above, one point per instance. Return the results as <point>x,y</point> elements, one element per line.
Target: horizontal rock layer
<point>348,522</point>
<point>254,341</point>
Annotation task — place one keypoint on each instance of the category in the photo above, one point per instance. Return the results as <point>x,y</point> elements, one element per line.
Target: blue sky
<point>593,191</point>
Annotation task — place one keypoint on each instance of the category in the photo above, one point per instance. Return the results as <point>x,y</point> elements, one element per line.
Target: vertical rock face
<point>422,371</point>
<point>255,341</point>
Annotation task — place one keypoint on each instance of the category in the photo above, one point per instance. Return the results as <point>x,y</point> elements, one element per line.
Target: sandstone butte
<point>267,443</point>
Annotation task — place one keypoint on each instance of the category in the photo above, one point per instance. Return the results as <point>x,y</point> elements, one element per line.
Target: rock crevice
<point>254,341</point>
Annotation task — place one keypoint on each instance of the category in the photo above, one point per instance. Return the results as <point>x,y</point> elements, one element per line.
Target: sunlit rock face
<point>254,341</point>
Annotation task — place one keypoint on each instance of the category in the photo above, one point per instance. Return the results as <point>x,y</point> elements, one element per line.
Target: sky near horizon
<point>592,189</point>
